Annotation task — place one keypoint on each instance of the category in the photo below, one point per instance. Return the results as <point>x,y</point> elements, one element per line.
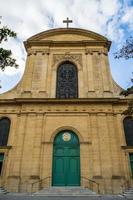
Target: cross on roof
<point>67,21</point>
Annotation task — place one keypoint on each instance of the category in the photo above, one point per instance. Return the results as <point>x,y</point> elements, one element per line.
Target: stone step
<point>65,191</point>
<point>128,193</point>
<point>3,191</point>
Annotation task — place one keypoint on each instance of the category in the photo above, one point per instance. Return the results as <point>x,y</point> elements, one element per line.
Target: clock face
<point>66,136</point>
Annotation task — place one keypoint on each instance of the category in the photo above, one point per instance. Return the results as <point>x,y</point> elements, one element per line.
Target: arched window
<point>128,128</point>
<point>4,131</point>
<point>67,81</point>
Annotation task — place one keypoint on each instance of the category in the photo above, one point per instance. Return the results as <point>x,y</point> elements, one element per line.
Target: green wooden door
<point>66,160</point>
<point>131,161</point>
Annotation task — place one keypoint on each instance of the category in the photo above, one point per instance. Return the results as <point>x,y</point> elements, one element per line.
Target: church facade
<point>62,125</point>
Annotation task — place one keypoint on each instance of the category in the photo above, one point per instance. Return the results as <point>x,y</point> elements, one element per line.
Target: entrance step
<point>3,191</point>
<point>128,193</point>
<point>65,191</point>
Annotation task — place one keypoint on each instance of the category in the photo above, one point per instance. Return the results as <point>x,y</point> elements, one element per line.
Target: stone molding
<point>81,142</point>
<point>35,52</point>
<point>76,58</point>
<point>52,43</point>
<point>96,50</point>
<point>127,147</point>
<point>5,147</point>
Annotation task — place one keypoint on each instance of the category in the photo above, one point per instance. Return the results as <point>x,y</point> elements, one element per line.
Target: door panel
<point>73,176</point>
<point>59,171</point>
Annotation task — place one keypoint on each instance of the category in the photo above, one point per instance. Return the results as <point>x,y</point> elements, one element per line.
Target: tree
<point>5,55</point>
<point>127,52</point>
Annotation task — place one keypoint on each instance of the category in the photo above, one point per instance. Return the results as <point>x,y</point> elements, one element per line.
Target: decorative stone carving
<point>34,52</point>
<point>76,58</point>
<point>93,50</point>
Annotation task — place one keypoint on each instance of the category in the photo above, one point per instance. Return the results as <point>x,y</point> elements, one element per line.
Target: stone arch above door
<point>70,128</point>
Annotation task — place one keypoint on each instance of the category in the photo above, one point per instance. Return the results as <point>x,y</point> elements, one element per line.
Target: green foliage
<point>129,110</point>
<point>5,55</point>
<point>126,51</point>
<point>6,60</point>
<point>5,33</point>
<point>127,91</point>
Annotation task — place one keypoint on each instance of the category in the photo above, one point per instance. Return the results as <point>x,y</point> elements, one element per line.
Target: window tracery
<point>67,81</point>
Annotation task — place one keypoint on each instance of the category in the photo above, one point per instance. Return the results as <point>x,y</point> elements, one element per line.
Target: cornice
<point>60,101</point>
<point>51,43</point>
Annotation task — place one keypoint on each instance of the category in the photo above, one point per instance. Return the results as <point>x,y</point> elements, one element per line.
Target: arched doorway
<point>66,159</point>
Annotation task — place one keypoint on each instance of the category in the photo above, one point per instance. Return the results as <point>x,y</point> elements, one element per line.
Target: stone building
<point>62,124</point>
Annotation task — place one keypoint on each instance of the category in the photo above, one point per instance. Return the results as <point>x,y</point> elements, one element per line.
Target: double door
<point>66,166</point>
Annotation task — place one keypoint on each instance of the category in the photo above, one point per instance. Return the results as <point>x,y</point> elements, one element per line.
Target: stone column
<point>85,75</point>
<point>105,160</point>
<point>15,156</point>
<point>117,172</point>
<point>98,84</point>
<point>37,146</point>
<point>49,76</point>
<point>26,163</point>
<point>84,159</point>
<point>111,81</point>
<point>80,84</point>
<point>105,73</point>
<point>46,154</point>
<point>37,73</point>
<point>36,154</point>
<point>53,84</point>
<point>95,147</point>
<point>89,71</point>
<point>43,84</point>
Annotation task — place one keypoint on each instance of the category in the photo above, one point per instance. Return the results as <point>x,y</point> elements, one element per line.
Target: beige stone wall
<point>94,77</point>
<point>100,131</point>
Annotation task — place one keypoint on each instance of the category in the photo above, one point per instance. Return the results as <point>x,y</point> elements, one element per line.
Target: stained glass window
<point>67,81</point>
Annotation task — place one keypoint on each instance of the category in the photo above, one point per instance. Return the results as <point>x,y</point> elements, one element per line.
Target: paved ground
<point>29,197</point>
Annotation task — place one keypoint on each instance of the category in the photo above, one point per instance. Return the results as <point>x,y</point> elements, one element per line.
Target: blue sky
<point>111,18</point>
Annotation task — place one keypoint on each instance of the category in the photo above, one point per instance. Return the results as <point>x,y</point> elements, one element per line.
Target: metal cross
<point>67,21</point>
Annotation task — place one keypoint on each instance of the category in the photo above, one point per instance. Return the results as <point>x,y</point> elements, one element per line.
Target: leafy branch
<point>5,55</point>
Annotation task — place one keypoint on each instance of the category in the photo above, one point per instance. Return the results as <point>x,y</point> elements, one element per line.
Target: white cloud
<point>114,32</point>
<point>30,17</point>
<point>109,8</point>
<point>128,17</point>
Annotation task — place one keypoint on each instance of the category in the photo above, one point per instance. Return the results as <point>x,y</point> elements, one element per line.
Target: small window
<point>1,161</point>
<point>128,128</point>
<point>4,131</point>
